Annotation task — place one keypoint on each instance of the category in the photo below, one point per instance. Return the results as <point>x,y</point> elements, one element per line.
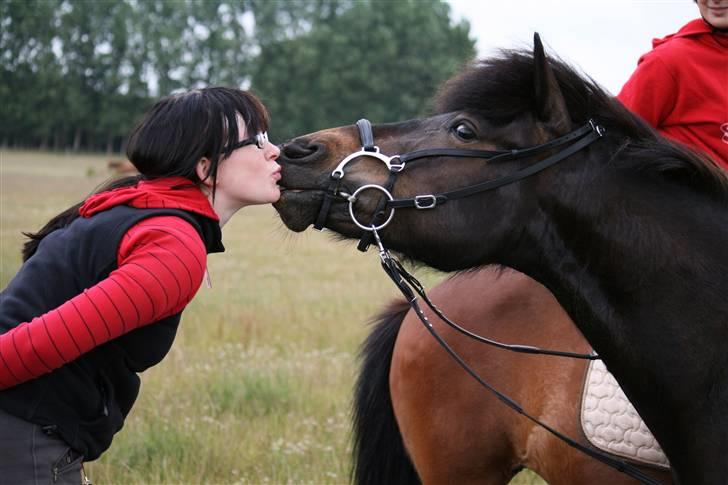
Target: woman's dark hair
<point>181,129</point>
<point>173,136</point>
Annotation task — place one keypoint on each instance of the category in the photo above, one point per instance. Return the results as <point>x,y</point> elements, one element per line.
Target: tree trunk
<point>77,140</point>
<point>58,140</point>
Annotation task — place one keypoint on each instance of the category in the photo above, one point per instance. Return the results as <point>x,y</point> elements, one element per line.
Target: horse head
<point>495,107</point>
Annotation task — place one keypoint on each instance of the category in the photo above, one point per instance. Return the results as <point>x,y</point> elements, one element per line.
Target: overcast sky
<point>603,38</point>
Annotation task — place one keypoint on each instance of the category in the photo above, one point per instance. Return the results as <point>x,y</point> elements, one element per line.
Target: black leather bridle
<point>408,284</point>
<point>579,138</point>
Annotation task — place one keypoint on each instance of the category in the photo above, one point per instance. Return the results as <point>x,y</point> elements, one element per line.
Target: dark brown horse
<point>627,230</point>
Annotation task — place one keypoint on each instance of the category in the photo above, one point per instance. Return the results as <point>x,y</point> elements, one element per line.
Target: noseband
<point>408,284</point>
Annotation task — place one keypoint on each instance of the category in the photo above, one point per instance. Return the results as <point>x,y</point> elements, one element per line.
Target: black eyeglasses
<point>259,140</point>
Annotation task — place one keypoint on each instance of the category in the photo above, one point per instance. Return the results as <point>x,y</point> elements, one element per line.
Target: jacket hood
<point>163,193</point>
<point>691,29</point>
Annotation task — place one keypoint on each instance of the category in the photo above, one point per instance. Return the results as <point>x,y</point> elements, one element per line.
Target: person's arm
<point>651,91</point>
<point>161,263</point>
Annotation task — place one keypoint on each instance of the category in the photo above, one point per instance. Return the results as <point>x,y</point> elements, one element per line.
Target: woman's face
<point>250,174</point>
<point>715,12</point>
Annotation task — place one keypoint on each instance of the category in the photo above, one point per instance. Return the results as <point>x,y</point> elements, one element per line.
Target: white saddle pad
<point>612,424</point>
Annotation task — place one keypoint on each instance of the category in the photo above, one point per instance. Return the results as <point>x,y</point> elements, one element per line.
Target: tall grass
<point>257,387</point>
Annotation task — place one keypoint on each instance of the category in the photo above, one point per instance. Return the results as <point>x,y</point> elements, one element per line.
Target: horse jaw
<point>298,210</point>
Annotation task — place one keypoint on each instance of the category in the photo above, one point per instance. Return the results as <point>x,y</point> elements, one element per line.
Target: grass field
<point>257,388</point>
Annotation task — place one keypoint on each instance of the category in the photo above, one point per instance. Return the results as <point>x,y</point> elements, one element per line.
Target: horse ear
<point>550,104</point>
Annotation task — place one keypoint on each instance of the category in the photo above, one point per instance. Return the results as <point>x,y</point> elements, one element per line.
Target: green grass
<point>257,388</point>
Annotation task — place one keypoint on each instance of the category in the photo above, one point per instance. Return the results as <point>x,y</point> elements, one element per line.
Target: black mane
<point>500,88</point>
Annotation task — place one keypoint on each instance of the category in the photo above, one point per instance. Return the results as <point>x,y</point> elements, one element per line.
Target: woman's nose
<point>274,151</point>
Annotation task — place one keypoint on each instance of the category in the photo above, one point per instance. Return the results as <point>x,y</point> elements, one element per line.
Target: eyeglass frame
<point>259,140</point>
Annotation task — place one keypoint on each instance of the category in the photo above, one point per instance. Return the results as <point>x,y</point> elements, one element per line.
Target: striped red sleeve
<point>161,263</point>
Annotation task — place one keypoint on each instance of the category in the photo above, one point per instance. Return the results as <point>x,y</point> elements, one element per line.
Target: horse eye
<point>464,132</point>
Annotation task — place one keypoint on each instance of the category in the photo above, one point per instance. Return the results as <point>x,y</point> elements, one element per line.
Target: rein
<point>409,285</point>
<point>411,288</point>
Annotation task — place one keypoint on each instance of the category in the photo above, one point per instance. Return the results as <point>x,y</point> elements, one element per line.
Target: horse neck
<point>626,250</point>
<point>640,267</point>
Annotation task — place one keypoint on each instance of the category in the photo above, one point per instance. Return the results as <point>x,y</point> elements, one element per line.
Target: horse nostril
<point>298,150</point>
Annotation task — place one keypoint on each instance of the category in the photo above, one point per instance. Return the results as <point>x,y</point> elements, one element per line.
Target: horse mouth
<point>302,185</point>
<point>298,207</point>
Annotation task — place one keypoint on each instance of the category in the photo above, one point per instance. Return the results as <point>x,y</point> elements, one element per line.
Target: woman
<point>99,296</point>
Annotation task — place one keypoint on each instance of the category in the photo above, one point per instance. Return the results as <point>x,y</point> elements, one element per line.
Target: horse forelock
<point>500,88</point>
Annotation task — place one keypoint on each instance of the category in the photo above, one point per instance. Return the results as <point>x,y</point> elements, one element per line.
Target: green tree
<point>378,59</point>
<point>27,63</point>
<point>78,73</point>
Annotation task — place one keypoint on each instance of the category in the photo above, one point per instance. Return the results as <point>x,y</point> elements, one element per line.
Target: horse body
<point>629,234</point>
<point>457,433</point>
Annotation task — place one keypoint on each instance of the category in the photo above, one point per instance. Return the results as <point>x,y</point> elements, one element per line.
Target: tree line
<point>77,74</point>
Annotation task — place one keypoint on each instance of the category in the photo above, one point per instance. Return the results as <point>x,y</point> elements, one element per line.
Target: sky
<point>602,38</point>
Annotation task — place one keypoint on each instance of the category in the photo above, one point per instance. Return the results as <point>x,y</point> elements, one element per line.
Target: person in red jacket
<point>681,86</point>
<point>102,286</point>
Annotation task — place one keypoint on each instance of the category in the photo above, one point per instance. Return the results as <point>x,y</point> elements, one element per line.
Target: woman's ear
<point>203,172</point>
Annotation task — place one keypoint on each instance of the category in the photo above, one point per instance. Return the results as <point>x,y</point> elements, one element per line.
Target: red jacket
<point>681,88</point>
<point>160,265</point>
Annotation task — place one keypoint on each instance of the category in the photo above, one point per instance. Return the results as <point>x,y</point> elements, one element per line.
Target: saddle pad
<point>612,424</point>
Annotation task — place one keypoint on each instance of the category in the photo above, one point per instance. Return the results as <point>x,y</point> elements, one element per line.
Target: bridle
<point>411,288</point>
<point>580,138</point>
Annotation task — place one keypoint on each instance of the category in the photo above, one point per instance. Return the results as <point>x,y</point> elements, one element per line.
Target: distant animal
<point>120,167</point>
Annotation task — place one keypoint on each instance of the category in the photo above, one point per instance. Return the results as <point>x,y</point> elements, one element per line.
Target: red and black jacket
<point>98,302</point>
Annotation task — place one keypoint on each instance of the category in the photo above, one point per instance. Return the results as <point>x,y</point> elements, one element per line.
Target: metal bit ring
<point>352,200</point>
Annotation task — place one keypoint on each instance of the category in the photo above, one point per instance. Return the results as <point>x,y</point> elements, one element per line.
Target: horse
<point>453,431</point>
<point>624,228</point>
